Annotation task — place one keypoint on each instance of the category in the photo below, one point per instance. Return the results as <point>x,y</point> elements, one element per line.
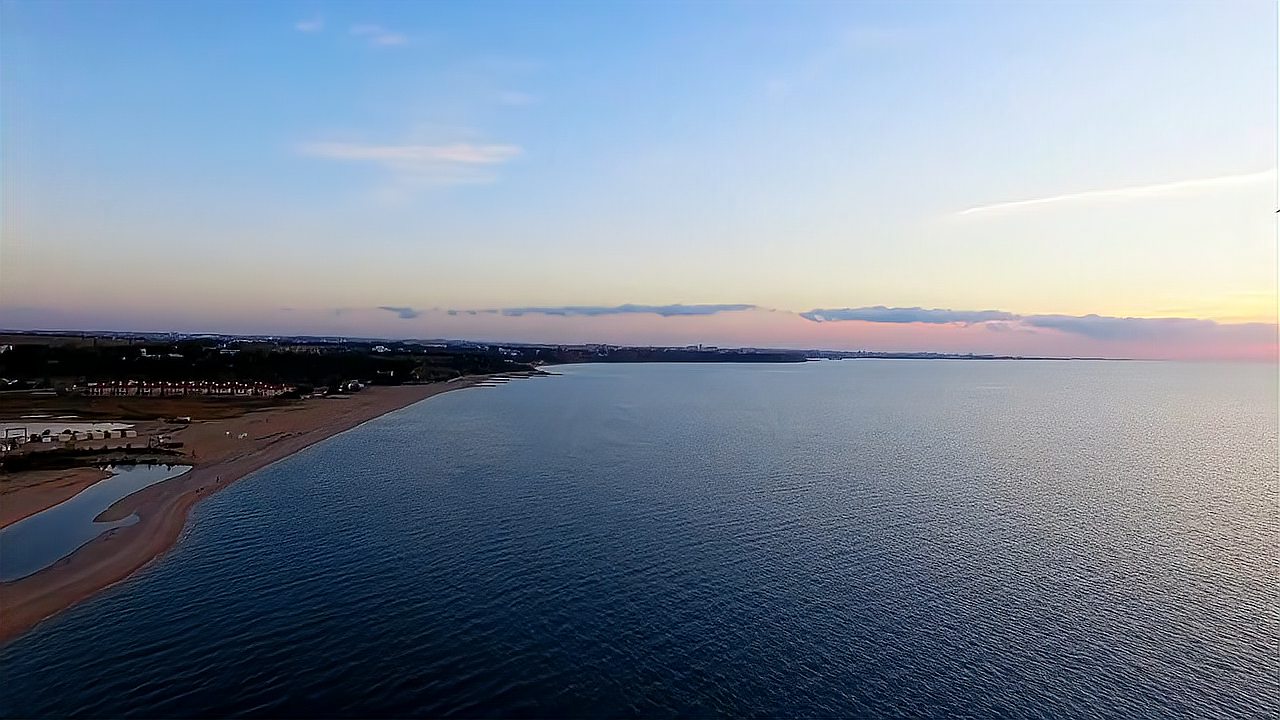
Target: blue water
<point>890,538</point>
<point>36,542</point>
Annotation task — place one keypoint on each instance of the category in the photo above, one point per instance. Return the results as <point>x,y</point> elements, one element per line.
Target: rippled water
<point>899,538</point>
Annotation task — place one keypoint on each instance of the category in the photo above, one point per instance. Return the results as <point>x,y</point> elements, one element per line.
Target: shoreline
<point>43,490</point>
<point>218,459</point>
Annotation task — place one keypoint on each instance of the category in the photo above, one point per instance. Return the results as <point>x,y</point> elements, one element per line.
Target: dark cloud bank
<point>1095,327</point>
<point>677,310</point>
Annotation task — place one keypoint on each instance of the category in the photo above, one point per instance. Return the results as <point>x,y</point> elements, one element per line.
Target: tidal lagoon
<point>37,542</point>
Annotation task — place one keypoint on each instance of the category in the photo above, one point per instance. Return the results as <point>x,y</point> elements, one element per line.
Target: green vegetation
<point>35,364</point>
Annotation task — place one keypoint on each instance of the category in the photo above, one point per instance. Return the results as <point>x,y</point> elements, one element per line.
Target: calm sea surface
<point>893,538</point>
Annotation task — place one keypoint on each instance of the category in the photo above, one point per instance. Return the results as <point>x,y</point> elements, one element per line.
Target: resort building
<point>164,388</point>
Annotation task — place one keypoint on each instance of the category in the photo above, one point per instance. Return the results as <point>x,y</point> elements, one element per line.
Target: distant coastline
<point>514,352</point>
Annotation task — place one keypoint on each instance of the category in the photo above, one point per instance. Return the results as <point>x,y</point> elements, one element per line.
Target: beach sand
<point>30,492</point>
<point>219,455</point>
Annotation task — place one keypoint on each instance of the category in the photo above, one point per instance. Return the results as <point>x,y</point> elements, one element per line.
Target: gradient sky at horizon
<point>302,167</point>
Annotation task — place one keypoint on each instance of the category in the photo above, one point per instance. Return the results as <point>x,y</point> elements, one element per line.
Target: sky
<point>1056,178</point>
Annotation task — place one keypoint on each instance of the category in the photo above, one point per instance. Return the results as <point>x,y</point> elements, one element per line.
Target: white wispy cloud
<point>414,155</point>
<point>414,165</point>
<point>1128,193</point>
<point>313,25</point>
<point>378,35</point>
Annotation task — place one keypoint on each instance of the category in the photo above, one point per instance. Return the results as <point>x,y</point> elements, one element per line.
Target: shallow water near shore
<point>36,542</point>
<point>900,538</point>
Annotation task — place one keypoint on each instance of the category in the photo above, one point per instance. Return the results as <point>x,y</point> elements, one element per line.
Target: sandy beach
<point>34,491</point>
<point>221,451</point>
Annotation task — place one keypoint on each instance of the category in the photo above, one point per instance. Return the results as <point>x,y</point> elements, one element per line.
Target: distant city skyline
<point>1037,179</point>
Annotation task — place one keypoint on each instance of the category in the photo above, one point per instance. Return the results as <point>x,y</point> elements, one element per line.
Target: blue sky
<point>298,160</point>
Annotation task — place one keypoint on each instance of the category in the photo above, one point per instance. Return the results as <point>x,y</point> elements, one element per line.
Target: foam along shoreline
<point>222,451</point>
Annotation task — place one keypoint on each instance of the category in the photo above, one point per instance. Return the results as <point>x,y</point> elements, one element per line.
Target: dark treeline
<point>38,361</point>
<point>41,363</point>
<point>63,458</point>
<point>57,365</point>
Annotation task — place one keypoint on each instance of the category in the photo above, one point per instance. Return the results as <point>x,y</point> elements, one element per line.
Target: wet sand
<point>220,456</point>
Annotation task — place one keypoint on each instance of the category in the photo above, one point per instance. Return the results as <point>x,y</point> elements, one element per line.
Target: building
<point>164,388</point>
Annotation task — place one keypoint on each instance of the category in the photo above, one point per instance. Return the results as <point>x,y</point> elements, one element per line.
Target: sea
<point>860,538</point>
